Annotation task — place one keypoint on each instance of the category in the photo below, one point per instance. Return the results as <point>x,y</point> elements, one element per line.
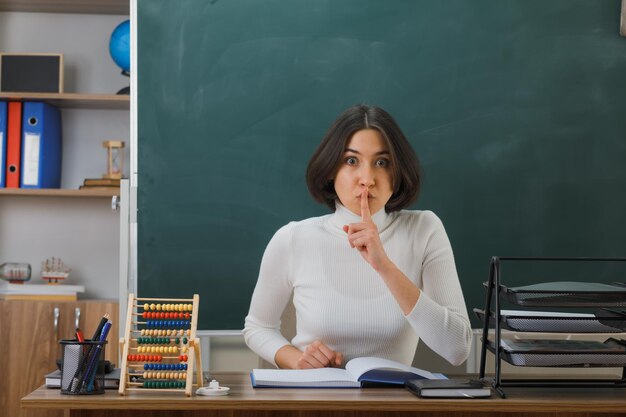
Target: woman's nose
<point>366,177</point>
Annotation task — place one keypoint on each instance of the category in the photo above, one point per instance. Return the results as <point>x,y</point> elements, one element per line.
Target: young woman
<point>370,279</point>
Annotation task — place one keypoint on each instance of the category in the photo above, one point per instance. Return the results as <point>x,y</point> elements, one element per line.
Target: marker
<point>79,336</point>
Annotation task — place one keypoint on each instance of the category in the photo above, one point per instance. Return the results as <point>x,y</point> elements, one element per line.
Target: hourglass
<point>115,159</point>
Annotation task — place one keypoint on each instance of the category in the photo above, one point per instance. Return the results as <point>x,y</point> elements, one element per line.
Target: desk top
<point>243,397</point>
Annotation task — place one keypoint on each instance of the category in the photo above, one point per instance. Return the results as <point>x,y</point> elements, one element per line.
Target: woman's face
<point>366,163</point>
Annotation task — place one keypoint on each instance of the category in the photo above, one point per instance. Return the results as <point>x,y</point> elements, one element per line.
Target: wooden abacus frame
<point>129,344</point>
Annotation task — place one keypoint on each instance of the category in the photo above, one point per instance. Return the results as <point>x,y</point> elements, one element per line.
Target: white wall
<point>83,232</point>
<point>228,353</point>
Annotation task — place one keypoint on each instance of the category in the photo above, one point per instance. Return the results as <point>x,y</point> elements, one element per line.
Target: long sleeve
<point>343,302</point>
<point>440,315</point>
<point>271,294</point>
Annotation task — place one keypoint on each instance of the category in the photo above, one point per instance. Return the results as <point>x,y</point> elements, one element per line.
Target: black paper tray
<point>603,321</point>
<point>567,294</point>
<point>566,357</point>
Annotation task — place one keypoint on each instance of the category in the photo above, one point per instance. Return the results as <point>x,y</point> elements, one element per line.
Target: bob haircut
<point>325,162</point>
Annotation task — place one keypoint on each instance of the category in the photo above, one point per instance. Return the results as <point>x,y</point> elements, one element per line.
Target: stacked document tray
<point>568,294</point>
<point>563,353</point>
<point>572,308</point>
<point>601,321</point>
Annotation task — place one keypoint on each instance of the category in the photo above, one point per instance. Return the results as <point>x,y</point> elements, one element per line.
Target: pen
<point>76,382</point>
<point>98,331</point>
<point>93,364</point>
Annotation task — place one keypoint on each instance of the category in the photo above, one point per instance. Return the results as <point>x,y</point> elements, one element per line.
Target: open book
<point>359,372</point>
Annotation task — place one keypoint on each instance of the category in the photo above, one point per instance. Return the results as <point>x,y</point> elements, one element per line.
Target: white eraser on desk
<point>213,389</point>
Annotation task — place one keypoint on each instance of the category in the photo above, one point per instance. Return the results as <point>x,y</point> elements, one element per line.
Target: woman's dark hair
<point>326,160</point>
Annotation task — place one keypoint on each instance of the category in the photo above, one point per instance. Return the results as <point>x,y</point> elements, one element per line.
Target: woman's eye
<point>382,163</point>
<point>351,160</point>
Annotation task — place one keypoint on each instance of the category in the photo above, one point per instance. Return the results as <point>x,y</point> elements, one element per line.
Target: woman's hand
<point>364,237</point>
<point>318,355</point>
<point>315,355</point>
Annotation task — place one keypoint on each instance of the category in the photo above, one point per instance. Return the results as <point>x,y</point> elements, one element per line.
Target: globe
<point>119,46</point>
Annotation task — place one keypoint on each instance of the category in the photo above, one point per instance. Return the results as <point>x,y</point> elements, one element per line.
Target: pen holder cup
<point>82,372</point>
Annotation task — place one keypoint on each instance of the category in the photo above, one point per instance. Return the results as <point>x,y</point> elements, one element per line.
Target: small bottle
<point>15,272</point>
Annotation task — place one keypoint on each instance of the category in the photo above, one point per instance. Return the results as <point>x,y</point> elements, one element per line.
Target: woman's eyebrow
<point>358,153</point>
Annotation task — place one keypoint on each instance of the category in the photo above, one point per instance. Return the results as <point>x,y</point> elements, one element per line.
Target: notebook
<point>111,380</point>
<point>448,388</point>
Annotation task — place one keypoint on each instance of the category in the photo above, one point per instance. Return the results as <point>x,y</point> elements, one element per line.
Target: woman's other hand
<point>315,355</point>
<point>318,355</point>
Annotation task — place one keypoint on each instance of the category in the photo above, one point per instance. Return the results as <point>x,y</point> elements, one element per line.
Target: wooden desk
<point>243,400</point>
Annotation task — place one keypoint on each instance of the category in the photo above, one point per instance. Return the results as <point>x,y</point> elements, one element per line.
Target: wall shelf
<point>73,100</point>
<point>60,192</point>
<point>120,7</point>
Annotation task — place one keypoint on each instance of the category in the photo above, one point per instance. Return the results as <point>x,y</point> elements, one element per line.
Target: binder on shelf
<point>14,144</point>
<point>3,142</point>
<point>41,146</point>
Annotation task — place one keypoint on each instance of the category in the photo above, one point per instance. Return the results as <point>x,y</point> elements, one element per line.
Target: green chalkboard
<point>515,107</point>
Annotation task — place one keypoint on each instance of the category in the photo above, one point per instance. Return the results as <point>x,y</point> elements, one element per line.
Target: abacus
<point>160,346</point>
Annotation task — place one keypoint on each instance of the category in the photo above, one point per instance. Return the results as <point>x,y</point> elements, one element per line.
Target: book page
<point>301,376</point>
<point>358,366</point>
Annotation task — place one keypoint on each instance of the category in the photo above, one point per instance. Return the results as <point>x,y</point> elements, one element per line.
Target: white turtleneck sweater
<point>340,299</point>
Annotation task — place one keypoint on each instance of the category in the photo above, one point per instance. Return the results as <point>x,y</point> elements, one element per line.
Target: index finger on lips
<point>365,207</point>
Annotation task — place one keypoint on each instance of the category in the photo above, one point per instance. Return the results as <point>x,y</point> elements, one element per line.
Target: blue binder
<point>41,146</point>
<point>3,143</point>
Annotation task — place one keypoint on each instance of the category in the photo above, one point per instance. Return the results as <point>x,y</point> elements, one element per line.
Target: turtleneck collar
<point>343,216</point>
